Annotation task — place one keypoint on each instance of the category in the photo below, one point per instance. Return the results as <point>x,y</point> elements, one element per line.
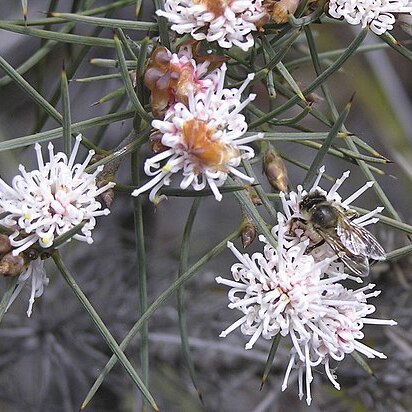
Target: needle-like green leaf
<point>271,357</point>
<point>317,82</point>
<point>57,36</point>
<point>67,123</point>
<point>57,133</point>
<point>11,284</point>
<point>141,266</point>
<point>317,161</point>
<point>107,22</point>
<point>219,248</point>
<point>107,336</point>
<point>128,83</point>
<point>31,91</point>
<point>184,259</point>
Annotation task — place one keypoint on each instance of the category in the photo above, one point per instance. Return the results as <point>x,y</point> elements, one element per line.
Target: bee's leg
<point>310,248</point>
<point>296,223</point>
<point>351,214</point>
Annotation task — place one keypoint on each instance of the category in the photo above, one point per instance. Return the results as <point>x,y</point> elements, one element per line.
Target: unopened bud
<point>5,246</point>
<point>96,158</point>
<point>105,177</point>
<point>157,78</point>
<point>133,77</point>
<point>161,57</point>
<point>31,254</point>
<point>12,265</point>
<point>45,255</point>
<point>314,98</point>
<point>248,235</point>
<point>107,197</point>
<point>280,10</point>
<point>253,196</point>
<point>275,169</point>
<point>156,142</point>
<point>248,232</point>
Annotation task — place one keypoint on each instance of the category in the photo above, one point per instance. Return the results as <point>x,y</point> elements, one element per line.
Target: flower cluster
<point>230,23</point>
<point>295,290</point>
<point>377,14</point>
<point>48,202</point>
<point>203,139</point>
<point>51,200</point>
<point>169,76</point>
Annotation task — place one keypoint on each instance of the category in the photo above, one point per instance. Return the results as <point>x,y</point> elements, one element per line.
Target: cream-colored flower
<point>49,201</point>
<point>204,140</point>
<point>378,14</point>
<point>229,22</point>
<point>285,291</point>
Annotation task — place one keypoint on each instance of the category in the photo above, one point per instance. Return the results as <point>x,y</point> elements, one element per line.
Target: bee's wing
<point>358,240</point>
<point>357,263</point>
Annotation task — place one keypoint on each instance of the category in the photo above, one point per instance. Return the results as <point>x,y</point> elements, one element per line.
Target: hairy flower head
<point>378,14</point>
<point>285,291</point>
<point>229,22</point>
<point>203,140</point>
<point>49,201</point>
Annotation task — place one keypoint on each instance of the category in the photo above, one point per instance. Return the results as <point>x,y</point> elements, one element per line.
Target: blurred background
<point>49,362</point>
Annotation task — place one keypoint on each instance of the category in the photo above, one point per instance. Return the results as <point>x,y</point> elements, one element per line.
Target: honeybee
<point>331,223</point>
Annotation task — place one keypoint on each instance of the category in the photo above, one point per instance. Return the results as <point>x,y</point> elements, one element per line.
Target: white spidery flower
<point>229,22</point>
<point>331,226</point>
<point>35,275</point>
<point>49,201</point>
<point>378,14</point>
<point>333,334</point>
<point>277,291</point>
<point>285,291</point>
<point>203,140</point>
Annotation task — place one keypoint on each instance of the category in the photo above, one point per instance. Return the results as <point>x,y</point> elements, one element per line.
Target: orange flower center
<point>217,7</point>
<point>199,143</point>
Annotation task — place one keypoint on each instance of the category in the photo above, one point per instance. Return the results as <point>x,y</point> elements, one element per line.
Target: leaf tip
<point>301,96</point>
<point>352,98</point>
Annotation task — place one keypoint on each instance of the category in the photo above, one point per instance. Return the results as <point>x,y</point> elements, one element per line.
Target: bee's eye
<point>324,216</point>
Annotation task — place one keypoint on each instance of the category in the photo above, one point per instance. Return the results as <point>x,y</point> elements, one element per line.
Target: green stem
<point>317,82</point>
<point>11,284</point>
<point>107,336</point>
<point>141,270</point>
<point>219,248</point>
<point>349,141</point>
<point>67,126</point>
<point>184,258</point>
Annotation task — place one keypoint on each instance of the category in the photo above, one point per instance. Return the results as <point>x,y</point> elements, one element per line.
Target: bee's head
<point>311,199</point>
